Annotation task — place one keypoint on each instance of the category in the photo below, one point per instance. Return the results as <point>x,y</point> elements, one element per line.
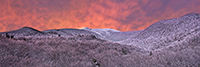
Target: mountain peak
<point>26,27</point>
<point>86,28</point>
<point>192,14</point>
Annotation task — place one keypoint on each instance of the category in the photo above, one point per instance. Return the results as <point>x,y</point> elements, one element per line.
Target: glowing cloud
<point>123,15</point>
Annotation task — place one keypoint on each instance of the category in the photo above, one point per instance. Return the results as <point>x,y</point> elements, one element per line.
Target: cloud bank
<point>123,15</point>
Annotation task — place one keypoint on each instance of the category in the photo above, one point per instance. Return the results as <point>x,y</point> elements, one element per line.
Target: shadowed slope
<point>25,31</point>
<point>70,32</point>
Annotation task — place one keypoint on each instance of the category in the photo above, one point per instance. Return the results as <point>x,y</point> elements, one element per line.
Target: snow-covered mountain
<point>70,32</point>
<point>165,33</point>
<point>111,34</point>
<point>162,32</point>
<point>25,31</point>
<point>101,32</point>
<point>167,43</point>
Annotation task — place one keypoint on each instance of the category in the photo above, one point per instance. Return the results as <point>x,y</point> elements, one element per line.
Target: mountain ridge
<point>167,43</point>
<point>167,30</point>
<point>184,24</point>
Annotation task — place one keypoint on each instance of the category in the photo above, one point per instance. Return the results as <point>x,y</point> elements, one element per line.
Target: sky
<point>123,15</point>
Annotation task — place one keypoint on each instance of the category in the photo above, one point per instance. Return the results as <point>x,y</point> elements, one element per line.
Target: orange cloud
<point>124,15</point>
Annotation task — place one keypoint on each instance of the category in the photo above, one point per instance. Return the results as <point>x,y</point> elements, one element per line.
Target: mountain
<point>166,32</point>
<point>70,32</point>
<point>167,43</point>
<point>25,31</point>
<point>111,34</point>
<point>101,32</point>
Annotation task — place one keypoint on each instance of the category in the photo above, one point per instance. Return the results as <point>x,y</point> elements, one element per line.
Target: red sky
<point>123,15</point>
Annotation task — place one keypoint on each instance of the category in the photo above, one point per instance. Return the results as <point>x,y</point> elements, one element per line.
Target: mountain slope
<point>111,34</point>
<point>166,32</point>
<point>167,43</point>
<point>102,32</point>
<point>70,32</point>
<point>25,31</point>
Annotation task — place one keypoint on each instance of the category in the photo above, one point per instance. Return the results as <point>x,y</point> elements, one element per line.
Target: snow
<point>101,32</point>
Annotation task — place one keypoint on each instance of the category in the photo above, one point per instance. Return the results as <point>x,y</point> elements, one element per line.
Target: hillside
<point>167,32</point>
<point>167,43</point>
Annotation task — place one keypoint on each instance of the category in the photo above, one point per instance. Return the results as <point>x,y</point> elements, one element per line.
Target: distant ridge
<point>69,32</point>
<point>167,43</point>
<point>171,28</point>
<point>192,14</point>
<point>25,31</point>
